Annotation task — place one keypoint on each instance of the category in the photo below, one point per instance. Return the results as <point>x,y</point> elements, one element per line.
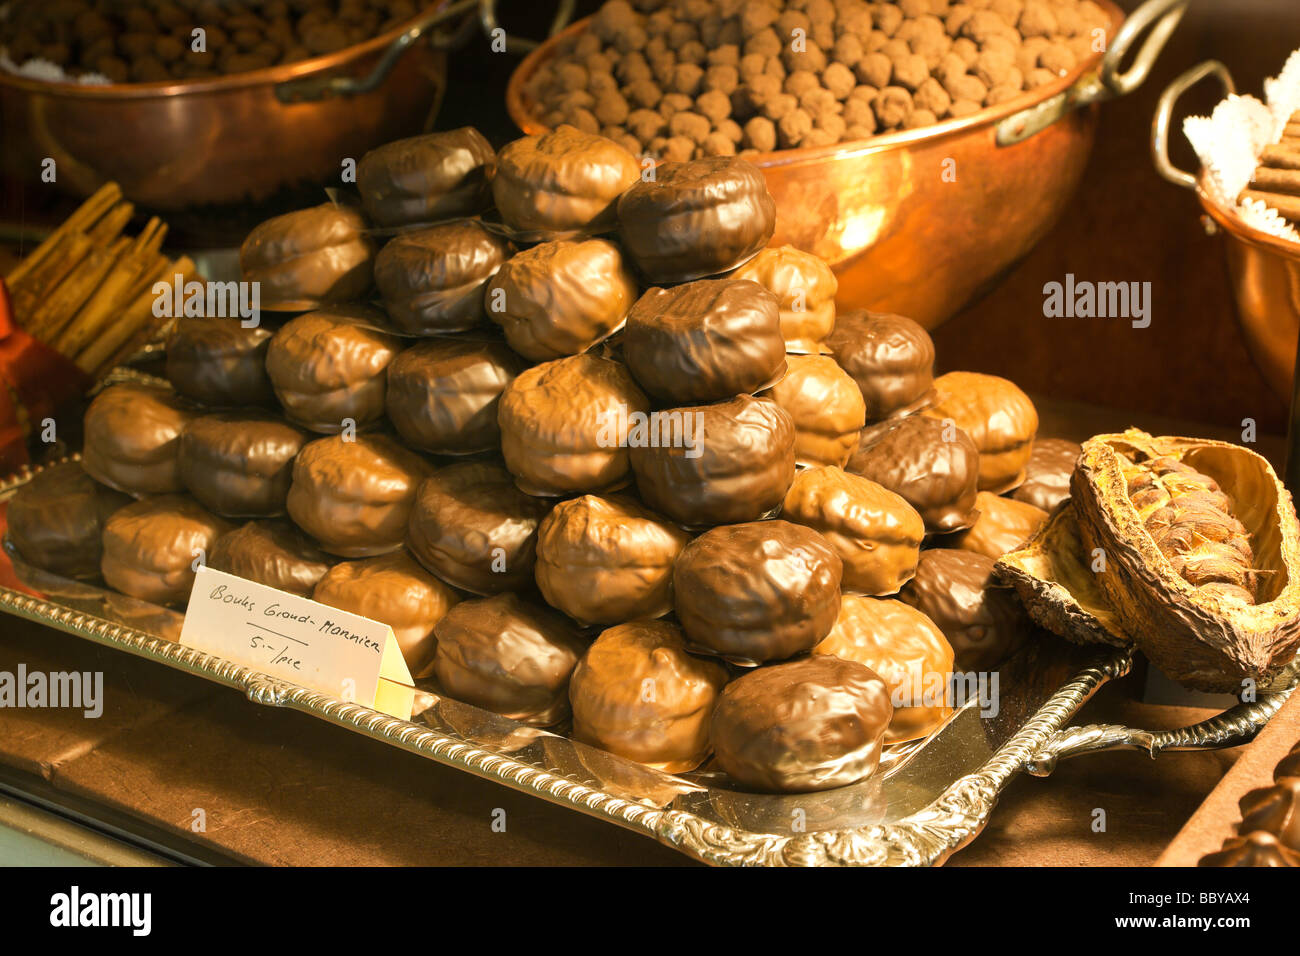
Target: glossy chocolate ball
<point>219,362</point>
<point>426,178</point>
<point>889,356</point>
<point>151,547</point>
<point>309,258</point>
<point>132,439</point>
<point>56,520</point>
<point>239,464</point>
<point>274,553</point>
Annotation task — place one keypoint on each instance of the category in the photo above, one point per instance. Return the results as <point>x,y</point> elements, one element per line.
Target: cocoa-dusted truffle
<point>427,178</point>
<point>933,465</point>
<point>639,694</point>
<point>1004,524</point>
<point>874,531</point>
<point>759,591</point>
<point>565,424</point>
<point>132,436</point>
<point>151,546</point>
<point>1047,476</point>
<point>1275,809</point>
<point>274,553</point>
<point>696,219</point>
<point>394,589</point>
<point>906,650</point>
<point>432,280</point>
<point>239,464</point>
<point>508,656</point>
<point>473,528</point>
<point>560,298</point>
<point>982,620</point>
<point>889,356</point>
<point>444,394</point>
<point>607,560</point>
<point>807,725</point>
<point>561,181</point>
<point>999,418</point>
<point>826,407</point>
<point>804,285</point>
<point>1259,848</point>
<point>219,362</point>
<point>355,496</point>
<point>704,340</point>
<point>56,520</point>
<point>716,464</point>
<point>309,258</point>
<point>330,365</point>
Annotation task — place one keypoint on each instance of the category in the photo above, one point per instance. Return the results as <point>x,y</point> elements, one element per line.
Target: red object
<point>35,383</point>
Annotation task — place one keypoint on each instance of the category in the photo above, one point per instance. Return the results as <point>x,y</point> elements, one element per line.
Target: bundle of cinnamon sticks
<point>1276,182</point>
<point>86,291</point>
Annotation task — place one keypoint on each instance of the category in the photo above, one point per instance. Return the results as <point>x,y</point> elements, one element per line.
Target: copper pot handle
<point>1165,114</point>
<point>480,12</point>
<point>1155,21</point>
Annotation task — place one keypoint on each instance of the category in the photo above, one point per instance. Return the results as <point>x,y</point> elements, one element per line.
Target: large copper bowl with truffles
<point>918,221</point>
<point>228,138</point>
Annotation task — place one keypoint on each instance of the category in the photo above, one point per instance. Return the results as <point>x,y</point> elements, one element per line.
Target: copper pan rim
<point>1233,224</point>
<point>516,106</point>
<point>269,76</point>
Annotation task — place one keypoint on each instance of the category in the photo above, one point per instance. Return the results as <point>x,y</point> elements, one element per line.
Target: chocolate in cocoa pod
<point>219,362</point>
<point>432,280</point>
<point>309,258</point>
<point>329,366</point>
<point>354,496</point>
<point>443,394</point>
<point>239,464</point>
<point>561,181</point>
<point>150,547</point>
<point>804,286</point>
<point>696,219</point>
<point>427,178</point>
<point>1259,848</point>
<point>759,591</point>
<point>705,340</point>
<point>826,407</point>
<point>473,528</point>
<point>132,436</point>
<point>874,531</point>
<point>271,552</point>
<point>1275,809</point>
<point>56,520</point>
<point>508,656</point>
<point>889,356</point>
<point>607,560</point>
<point>715,464</point>
<point>802,726</point>
<point>565,424</point>
<point>998,416</point>
<point>637,693</point>
<point>560,298</point>
<point>982,620</point>
<point>392,588</point>
<point>1047,476</point>
<point>934,466</point>
<point>907,651</point>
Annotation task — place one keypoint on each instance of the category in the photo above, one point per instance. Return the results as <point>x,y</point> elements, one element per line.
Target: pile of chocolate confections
<point>599,454</point>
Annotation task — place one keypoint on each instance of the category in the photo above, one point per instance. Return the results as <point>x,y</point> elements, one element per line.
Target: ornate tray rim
<point>924,838</point>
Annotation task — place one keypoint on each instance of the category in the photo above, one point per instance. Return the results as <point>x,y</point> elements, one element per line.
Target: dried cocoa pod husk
<point>1193,616</point>
<point>1052,573</point>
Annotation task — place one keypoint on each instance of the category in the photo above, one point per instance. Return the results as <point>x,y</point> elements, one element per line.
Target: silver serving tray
<point>929,799</point>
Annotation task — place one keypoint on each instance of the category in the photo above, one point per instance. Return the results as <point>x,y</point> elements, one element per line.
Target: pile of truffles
<point>641,476</point>
<point>152,41</point>
<point>680,79</point>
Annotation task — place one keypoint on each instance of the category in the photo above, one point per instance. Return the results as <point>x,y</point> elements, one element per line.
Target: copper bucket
<point>1265,270</point>
<point>901,236</point>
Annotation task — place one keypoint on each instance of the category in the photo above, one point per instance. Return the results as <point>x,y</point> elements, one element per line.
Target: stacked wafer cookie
<point>1276,181</point>
<point>87,290</point>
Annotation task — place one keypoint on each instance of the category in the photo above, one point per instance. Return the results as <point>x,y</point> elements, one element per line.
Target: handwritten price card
<point>298,640</point>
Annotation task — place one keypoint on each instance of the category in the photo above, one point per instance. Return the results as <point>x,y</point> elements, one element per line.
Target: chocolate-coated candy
<point>132,436</point>
<point>1047,476</point>
<point>150,547</point>
<point>508,656</point>
<point>274,553</point>
<point>1004,524</point>
<point>219,362</point>
<point>889,356</point>
<point>239,464</point>
<point>1275,809</point>
<point>309,258</point>
<point>639,694</point>
<point>759,591</point>
<point>806,725</point>
<point>56,520</point>
<point>1259,848</point>
<point>804,286</point>
<point>998,416</point>
<point>427,178</point>
<point>826,407</point>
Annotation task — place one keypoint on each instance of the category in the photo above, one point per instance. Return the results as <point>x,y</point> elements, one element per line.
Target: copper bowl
<point>903,237</point>
<point>1265,269</point>
<point>172,145</point>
